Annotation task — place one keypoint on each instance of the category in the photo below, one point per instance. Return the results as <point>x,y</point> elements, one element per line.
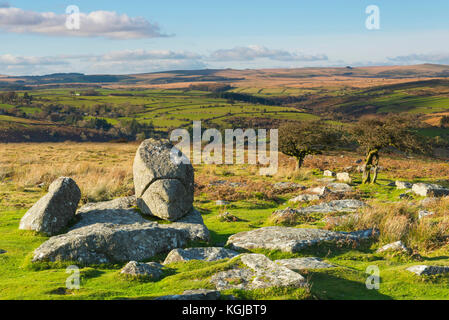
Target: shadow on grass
<point>326,286</point>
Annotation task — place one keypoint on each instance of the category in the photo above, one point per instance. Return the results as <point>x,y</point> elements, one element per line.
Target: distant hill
<point>299,77</point>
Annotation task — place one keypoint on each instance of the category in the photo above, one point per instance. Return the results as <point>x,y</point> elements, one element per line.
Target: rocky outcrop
<point>150,270</point>
<point>290,239</point>
<point>164,187</point>
<point>307,263</point>
<point>112,242</point>
<point>423,270</point>
<point>257,272</point>
<point>53,212</point>
<point>202,253</point>
<point>430,190</point>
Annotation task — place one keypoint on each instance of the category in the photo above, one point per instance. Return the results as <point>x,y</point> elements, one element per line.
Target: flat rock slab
<point>205,254</point>
<point>200,294</point>
<point>289,239</point>
<point>307,263</point>
<point>109,243</point>
<point>305,198</point>
<point>339,187</point>
<point>421,270</point>
<point>258,272</point>
<point>117,211</point>
<point>347,205</point>
<point>151,270</point>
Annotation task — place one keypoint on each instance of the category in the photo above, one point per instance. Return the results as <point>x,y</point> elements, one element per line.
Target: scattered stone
<point>152,270</point>
<point>227,217</point>
<point>344,177</point>
<point>339,187</point>
<point>221,203</point>
<point>205,254</point>
<point>403,185</point>
<point>425,213</point>
<point>421,270</point>
<point>284,186</point>
<point>321,191</point>
<point>236,184</point>
<point>163,187</point>
<point>258,272</point>
<point>200,294</point>
<point>296,264</point>
<point>289,239</point>
<point>328,173</point>
<point>305,198</point>
<point>326,180</point>
<point>217,183</point>
<point>109,243</point>
<point>52,213</point>
<point>430,190</point>
<point>395,246</point>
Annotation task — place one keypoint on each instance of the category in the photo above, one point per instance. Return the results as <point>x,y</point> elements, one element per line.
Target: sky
<point>138,36</point>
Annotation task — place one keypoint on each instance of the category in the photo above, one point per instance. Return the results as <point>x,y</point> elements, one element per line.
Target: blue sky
<point>146,36</point>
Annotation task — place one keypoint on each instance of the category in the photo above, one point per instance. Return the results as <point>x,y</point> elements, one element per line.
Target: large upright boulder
<point>163,186</point>
<point>52,213</point>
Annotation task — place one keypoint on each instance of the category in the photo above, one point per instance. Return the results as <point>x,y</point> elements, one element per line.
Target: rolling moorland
<point>69,113</point>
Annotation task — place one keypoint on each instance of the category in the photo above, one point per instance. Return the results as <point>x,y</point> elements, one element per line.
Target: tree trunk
<point>375,167</point>
<point>299,162</point>
<point>366,177</point>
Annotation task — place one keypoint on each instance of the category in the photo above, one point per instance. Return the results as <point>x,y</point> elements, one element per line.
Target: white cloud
<point>106,24</point>
<point>439,58</point>
<point>257,52</point>
<point>10,60</point>
<point>149,55</point>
